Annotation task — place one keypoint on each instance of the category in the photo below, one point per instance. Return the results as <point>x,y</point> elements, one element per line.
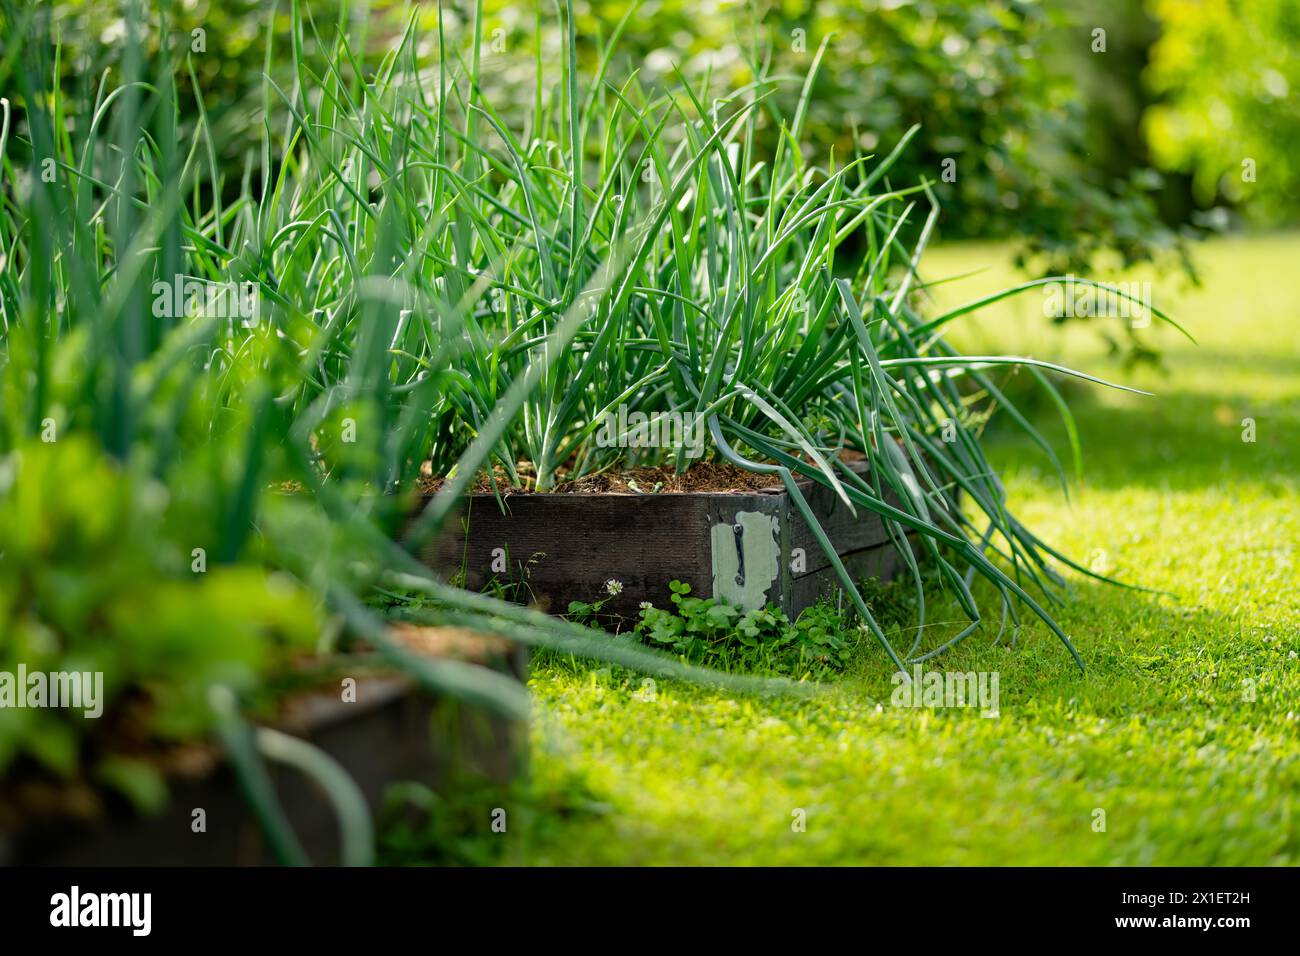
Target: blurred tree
<point>995,85</point>
<point>1228,72</point>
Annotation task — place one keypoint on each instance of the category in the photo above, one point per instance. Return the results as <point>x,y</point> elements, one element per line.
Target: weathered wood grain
<point>550,550</point>
<point>882,561</point>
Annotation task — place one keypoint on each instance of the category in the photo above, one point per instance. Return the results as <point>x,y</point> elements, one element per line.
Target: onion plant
<point>450,284</point>
<point>447,283</point>
<point>625,247</point>
<point>109,198</point>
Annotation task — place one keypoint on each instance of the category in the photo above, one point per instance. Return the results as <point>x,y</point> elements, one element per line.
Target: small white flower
<point>613,587</point>
<point>646,605</point>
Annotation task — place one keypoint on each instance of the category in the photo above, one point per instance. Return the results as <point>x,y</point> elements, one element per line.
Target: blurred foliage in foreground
<point>98,576</point>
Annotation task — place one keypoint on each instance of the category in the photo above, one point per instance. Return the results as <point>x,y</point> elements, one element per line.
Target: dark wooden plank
<point>553,549</point>
<point>846,531</point>
<point>550,550</point>
<point>882,561</point>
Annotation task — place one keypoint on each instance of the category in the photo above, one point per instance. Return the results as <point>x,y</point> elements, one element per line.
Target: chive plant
<point>449,283</point>
<point>111,199</point>
<point>627,247</point>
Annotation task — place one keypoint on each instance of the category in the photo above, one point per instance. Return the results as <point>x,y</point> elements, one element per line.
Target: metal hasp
<point>746,558</point>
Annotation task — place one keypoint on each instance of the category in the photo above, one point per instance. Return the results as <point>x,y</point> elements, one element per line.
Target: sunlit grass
<point>1158,734</point>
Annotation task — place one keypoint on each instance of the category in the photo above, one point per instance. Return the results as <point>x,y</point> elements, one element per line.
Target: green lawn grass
<point>1160,733</point>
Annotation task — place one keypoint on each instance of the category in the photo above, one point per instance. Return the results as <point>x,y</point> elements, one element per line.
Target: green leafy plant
<point>95,579</point>
<point>819,643</point>
<point>987,81</point>
<point>589,611</point>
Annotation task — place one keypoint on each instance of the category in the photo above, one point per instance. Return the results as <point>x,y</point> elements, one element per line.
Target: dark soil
<point>704,476</point>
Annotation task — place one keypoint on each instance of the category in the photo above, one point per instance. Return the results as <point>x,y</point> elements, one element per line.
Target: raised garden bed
<point>394,731</point>
<point>749,546</point>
